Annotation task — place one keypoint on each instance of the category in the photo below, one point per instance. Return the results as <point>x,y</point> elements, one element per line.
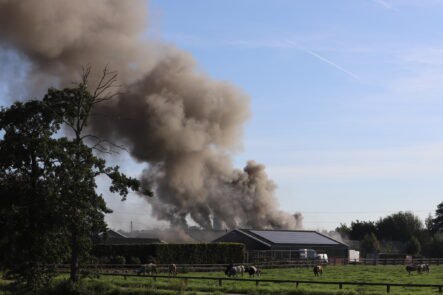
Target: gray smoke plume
<point>170,115</point>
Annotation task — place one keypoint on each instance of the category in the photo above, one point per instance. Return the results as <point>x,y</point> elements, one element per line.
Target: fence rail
<point>297,283</point>
<point>293,256</point>
<point>274,264</point>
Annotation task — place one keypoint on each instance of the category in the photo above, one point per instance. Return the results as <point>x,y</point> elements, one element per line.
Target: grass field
<point>380,274</point>
<point>350,273</point>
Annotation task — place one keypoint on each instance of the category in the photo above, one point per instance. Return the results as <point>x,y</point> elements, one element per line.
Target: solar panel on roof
<point>293,237</point>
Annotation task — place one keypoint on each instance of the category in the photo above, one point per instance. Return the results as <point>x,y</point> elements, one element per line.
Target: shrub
<point>176,253</point>
<point>104,260</point>
<point>119,260</point>
<point>134,260</point>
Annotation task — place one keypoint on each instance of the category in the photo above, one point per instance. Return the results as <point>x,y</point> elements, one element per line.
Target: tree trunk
<point>74,258</point>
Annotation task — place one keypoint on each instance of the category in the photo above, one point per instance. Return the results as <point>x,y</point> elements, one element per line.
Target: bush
<point>413,246</point>
<point>104,260</point>
<point>176,253</point>
<point>134,260</point>
<point>119,260</point>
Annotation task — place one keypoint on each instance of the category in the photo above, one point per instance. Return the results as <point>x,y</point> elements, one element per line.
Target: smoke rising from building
<point>170,115</point>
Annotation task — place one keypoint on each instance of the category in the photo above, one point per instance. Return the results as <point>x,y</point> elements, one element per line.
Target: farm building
<point>114,238</point>
<point>256,240</point>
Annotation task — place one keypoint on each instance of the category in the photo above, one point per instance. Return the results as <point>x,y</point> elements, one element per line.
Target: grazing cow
<point>172,269</point>
<point>149,269</point>
<point>318,270</point>
<point>232,271</point>
<point>421,268</point>
<point>253,271</point>
<point>411,268</point>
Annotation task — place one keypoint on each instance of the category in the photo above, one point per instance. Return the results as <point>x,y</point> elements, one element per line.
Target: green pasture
<point>358,273</point>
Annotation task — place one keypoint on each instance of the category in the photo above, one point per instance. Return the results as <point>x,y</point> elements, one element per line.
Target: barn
<point>276,240</point>
<point>114,238</point>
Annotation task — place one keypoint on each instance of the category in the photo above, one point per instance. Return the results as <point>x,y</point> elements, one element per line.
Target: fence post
<point>388,288</point>
<point>296,285</point>
<point>219,282</point>
<point>340,286</point>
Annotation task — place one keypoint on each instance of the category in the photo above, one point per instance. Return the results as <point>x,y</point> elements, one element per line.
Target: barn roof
<point>112,237</point>
<point>286,238</point>
<point>293,237</point>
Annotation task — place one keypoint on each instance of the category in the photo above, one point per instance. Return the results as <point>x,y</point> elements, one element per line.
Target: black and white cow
<point>149,269</point>
<point>253,271</point>
<point>232,271</point>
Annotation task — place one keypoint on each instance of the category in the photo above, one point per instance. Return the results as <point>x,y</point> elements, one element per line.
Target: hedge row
<point>220,253</point>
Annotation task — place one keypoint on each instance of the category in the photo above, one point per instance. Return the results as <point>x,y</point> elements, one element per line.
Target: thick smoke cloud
<point>170,115</point>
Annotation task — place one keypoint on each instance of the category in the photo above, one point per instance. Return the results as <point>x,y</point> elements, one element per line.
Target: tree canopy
<point>401,226</point>
<point>50,206</point>
<point>30,204</point>
<point>437,222</point>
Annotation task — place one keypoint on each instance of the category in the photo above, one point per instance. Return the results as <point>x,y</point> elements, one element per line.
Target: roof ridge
<point>252,236</point>
<point>287,230</point>
<point>292,236</point>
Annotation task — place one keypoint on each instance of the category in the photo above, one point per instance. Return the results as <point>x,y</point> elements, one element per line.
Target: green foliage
<point>437,222</point>
<point>49,204</point>
<point>359,229</point>
<point>134,260</point>
<point>413,246</point>
<point>84,209</point>
<point>343,230</point>
<point>29,201</point>
<point>176,253</point>
<point>200,253</point>
<point>118,260</point>
<point>436,245</point>
<point>401,226</point>
<point>142,252</point>
<point>369,244</point>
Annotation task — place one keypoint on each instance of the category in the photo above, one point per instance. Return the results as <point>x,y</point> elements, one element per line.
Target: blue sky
<point>346,98</point>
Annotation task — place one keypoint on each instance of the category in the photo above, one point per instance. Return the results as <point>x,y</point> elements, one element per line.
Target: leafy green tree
<point>437,222</point>
<point>343,230</point>
<point>401,226</point>
<point>84,209</point>
<point>359,229</point>
<point>29,204</point>
<point>437,245</point>
<point>50,206</point>
<point>429,223</point>
<point>413,246</point>
<point>369,244</point>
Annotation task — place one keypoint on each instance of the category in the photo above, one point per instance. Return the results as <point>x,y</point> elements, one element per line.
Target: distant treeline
<point>401,232</point>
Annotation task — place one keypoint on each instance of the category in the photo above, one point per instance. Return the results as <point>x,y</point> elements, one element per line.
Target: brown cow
<point>318,270</point>
<point>172,269</point>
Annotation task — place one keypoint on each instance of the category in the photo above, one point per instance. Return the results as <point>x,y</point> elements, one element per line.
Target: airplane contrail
<point>325,60</point>
<point>383,3</point>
